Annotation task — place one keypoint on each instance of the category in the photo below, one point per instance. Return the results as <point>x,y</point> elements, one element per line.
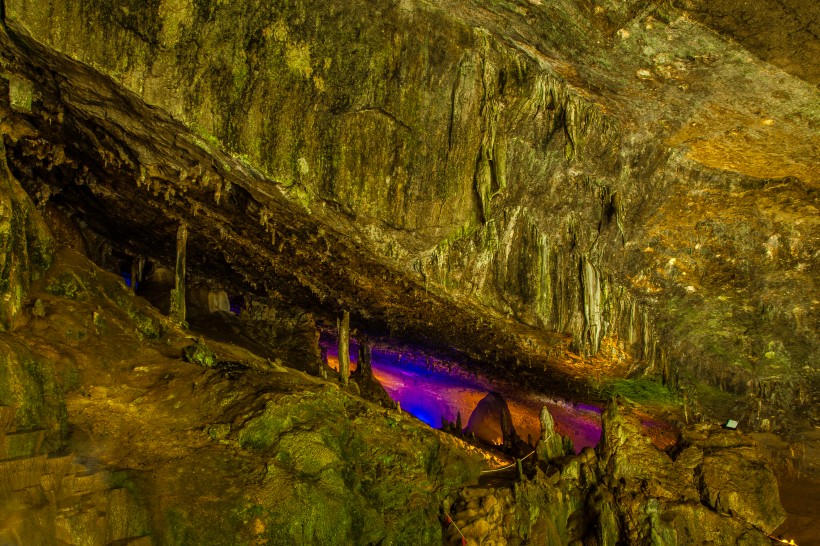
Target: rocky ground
<point>243,451</point>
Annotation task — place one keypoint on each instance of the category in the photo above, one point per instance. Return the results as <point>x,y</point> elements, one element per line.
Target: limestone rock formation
<point>26,246</point>
<point>585,198</point>
<point>549,170</point>
<point>551,444</point>
<point>734,476</point>
<point>58,500</point>
<point>491,421</point>
<point>369,387</point>
<point>630,492</point>
<point>224,447</point>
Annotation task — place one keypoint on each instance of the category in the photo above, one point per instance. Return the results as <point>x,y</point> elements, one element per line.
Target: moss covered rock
<point>26,246</point>
<point>200,354</point>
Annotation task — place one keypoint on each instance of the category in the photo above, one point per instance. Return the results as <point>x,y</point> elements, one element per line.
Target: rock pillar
<point>324,365</point>
<point>135,272</point>
<point>178,293</point>
<point>344,347</point>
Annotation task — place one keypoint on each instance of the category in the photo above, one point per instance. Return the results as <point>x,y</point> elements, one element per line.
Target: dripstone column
<point>178,293</point>
<point>344,347</point>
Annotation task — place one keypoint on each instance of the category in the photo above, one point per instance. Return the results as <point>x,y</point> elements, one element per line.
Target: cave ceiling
<point>513,182</point>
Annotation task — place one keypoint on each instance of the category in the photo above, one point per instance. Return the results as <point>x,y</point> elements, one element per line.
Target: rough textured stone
<point>637,494</point>
<point>26,246</point>
<point>551,445</point>
<point>563,193</point>
<point>294,460</point>
<point>491,421</point>
<point>573,205</point>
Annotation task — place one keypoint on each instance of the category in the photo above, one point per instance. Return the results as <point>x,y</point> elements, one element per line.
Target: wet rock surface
<point>491,422</point>
<point>157,449</point>
<point>56,499</point>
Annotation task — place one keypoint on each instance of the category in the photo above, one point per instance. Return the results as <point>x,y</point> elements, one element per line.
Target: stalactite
<point>594,327</point>
<point>544,288</point>
<point>507,428</point>
<point>135,271</point>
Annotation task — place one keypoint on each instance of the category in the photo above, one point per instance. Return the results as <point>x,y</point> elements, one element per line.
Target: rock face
<point>218,447</point>
<point>782,33</point>
<point>716,488</point>
<point>491,421</point>
<point>734,478</point>
<point>528,171</point>
<point>549,190</point>
<point>295,459</point>
<point>26,246</point>
<point>687,485</point>
<point>57,499</point>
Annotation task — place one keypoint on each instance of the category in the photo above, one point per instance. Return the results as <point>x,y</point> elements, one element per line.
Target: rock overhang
<point>473,190</point>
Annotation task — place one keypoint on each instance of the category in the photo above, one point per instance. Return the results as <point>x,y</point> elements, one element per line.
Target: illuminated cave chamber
<point>609,211</point>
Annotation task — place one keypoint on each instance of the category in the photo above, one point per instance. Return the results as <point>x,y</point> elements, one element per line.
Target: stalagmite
<point>178,293</point>
<point>551,445</point>
<point>344,347</point>
<point>365,352</point>
<point>547,424</point>
<point>507,428</point>
<point>134,274</point>
<point>137,267</point>
<point>324,365</point>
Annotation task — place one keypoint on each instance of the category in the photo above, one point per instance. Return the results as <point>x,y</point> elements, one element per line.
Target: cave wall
<point>413,144</point>
<point>26,246</point>
<point>507,158</point>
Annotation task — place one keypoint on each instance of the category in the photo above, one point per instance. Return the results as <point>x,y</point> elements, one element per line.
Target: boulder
<point>491,421</point>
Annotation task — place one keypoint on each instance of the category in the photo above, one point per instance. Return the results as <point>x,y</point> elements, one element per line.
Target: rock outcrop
<point>26,245</point>
<point>220,446</point>
<point>491,421</point>
<point>715,488</point>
